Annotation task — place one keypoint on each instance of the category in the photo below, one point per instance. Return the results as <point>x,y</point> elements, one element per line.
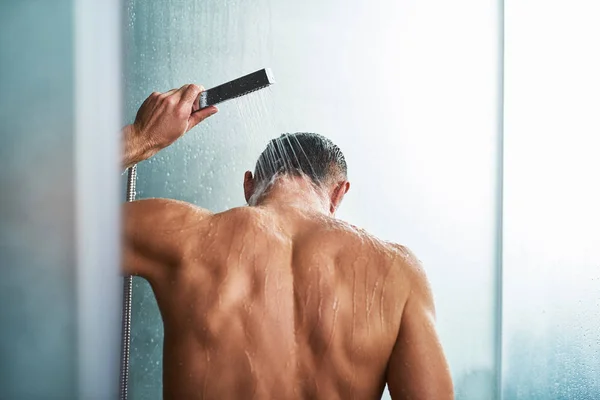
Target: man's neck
<point>295,192</point>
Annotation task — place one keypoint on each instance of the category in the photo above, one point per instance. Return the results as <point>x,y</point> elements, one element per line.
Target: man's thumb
<point>201,115</point>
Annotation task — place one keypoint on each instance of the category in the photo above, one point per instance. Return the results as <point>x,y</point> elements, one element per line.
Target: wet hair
<point>299,154</point>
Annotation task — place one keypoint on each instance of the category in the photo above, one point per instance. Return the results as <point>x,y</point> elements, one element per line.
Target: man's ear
<point>248,185</point>
<point>338,194</point>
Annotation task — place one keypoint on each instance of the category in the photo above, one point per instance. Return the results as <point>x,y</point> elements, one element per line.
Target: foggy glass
<point>409,92</point>
<point>59,210</point>
<point>551,319</point>
<point>37,256</point>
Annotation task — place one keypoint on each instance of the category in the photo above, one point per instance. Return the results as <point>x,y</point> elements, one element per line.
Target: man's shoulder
<point>351,231</point>
<point>410,267</point>
<point>352,237</point>
<point>166,208</point>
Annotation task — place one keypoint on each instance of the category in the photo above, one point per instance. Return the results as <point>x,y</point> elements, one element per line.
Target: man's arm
<point>417,369</point>
<point>156,234</point>
<point>161,120</point>
<point>155,230</point>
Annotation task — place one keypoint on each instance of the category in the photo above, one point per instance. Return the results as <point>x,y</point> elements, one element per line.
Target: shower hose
<point>127,288</point>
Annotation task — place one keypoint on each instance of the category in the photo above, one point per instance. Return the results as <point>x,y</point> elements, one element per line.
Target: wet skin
<point>276,302</point>
<point>279,300</point>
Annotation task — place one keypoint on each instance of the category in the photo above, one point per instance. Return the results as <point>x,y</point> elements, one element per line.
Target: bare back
<point>265,304</point>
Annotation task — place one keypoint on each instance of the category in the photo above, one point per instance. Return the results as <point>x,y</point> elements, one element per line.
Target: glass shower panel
<point>408,90</point>
<point>59,204</point>
<point>551,345</point>
<point>38,325</point>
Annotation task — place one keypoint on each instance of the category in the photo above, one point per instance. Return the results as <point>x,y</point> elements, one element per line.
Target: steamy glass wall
<point>551,305</point>
<point>37,258</point>
<point>408,90</point>
<point>59,205</point>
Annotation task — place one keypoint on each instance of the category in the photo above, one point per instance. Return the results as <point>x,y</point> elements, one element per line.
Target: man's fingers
<point>170,92</point>
<point>176,96</point>
<point>201,115</point>
<point>173,96</point>
<point>191,93</point>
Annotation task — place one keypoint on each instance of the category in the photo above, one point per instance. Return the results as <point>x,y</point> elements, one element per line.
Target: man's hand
<point>161,120</point>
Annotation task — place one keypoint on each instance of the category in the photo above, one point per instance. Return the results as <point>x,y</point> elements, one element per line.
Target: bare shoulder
<point>169,206</point>
<point>411,269</point>
<point>163,223</point>
<point>155,234</point>
<point>352,234</point>
<point>397,259</point>
<point>164,216</point>
<point>407,260</point>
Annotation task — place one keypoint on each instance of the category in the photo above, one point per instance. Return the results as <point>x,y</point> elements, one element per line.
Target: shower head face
<point>237,87</point>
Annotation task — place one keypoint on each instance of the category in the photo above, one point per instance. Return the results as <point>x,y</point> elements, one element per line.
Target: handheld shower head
<point>237,87</point>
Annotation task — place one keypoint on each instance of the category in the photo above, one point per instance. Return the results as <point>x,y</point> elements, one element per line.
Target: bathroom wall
<point>409,91</point>
<point>551,318</point>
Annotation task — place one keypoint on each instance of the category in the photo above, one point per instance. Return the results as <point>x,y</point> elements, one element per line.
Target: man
<point>278,300</point>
